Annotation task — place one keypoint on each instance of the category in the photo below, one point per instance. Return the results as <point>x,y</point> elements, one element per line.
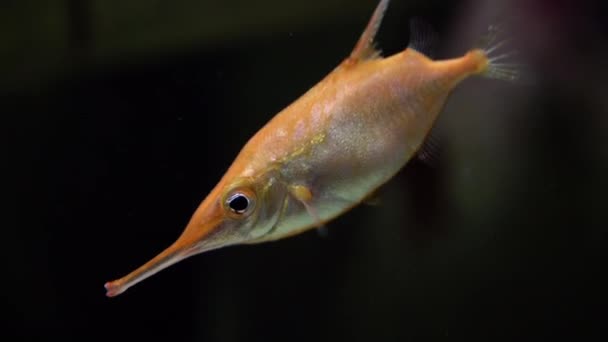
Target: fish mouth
<point>195,239</point>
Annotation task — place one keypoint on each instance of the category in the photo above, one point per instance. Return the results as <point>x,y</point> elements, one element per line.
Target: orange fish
<point>327,151</point>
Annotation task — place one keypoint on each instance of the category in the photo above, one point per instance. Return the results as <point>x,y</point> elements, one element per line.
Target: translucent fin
<point>365,48</point>
<point>373,200</point>
<point>304,196</point>
<point>314,214</point>
<point>323,231</point>
<point>430,151</point>
<point>499,56</point>
<point>423,37</point>
<point>321,227</point>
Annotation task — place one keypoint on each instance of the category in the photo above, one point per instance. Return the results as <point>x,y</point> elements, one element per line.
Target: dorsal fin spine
<point>365,46</point>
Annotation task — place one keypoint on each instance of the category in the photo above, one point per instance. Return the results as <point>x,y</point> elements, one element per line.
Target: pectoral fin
<point>303,194</point>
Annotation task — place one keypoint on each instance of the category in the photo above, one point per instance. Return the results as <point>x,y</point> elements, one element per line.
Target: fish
<point>329,150</point>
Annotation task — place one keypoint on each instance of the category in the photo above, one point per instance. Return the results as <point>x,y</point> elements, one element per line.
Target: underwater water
<point>122,116</point>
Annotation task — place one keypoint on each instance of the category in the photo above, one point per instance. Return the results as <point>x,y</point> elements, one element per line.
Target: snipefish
<point>328,150</point>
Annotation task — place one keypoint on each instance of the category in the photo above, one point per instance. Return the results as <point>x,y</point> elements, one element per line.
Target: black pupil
<point>238,203</point>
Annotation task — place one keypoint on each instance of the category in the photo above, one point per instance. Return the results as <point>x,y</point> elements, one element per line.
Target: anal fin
<point>431,149</point>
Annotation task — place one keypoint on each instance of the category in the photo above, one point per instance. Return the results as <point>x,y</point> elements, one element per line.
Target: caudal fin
<point>499,57</point>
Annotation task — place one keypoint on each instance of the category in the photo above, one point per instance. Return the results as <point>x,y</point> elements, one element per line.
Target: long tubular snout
<point>163,260</point>
<point>196,238</point>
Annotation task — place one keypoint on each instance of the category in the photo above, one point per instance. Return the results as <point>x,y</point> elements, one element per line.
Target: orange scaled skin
<point>324,153</point>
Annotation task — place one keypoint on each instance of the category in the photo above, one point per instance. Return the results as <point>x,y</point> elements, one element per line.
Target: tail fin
<point>498,65</point>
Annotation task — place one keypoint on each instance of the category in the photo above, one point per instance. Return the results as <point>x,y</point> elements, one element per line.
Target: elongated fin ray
<point>365,48</point>
<point>498,61</point>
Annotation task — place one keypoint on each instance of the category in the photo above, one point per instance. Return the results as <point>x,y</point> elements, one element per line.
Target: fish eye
<point>240,202</point>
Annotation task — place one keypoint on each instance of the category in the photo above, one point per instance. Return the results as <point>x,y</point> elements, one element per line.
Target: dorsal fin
<point>423,37</point>
<point>365,48</point>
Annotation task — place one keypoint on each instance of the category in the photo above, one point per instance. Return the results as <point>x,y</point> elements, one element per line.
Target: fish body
<point>326,152</point>
<point>349,134</point>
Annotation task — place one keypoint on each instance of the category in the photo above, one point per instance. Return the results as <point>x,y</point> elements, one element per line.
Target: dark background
<point>120,116</point>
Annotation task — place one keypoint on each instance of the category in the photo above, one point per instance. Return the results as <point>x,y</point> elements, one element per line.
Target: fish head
<point>238,210</point>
